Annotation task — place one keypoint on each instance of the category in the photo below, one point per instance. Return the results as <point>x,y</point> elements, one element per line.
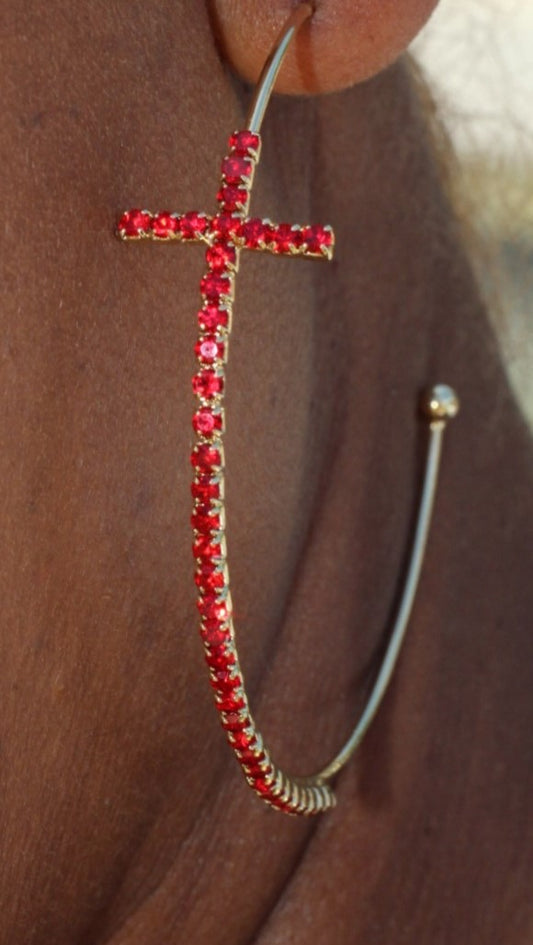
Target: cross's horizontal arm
<point>249,233</point>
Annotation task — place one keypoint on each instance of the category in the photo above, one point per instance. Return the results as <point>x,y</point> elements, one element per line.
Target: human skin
<point>344,42</point>
<point>125,819</point>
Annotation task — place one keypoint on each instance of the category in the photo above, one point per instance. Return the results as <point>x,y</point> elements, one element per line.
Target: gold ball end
<point>440,403</point>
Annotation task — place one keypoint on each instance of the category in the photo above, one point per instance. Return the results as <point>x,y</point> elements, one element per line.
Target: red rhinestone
<point>193,225</point>
<point>225,225</point>
<point>204,523</point>
<point>135,223</point>
<point>213,317</point>
<point>244,141</point>
<point>232,198</point>
<point>221,255</point>
<point>254,232</point>
<point>214,285</point>
<point>214,611</point>
<point>205,457</point>
<point>207,384</point>
<point>205,422</point>
<point>242,740</point>
<point>235,168</point>
<point>231,702</point>
<point>255,771</point>
<point>208,579</point>
<point>224,681</point>
<point>315,237</point>
<point>249,757</point>
<point>221,652</point>
<point>206,602</point>
<point>212,623</point>
<point>215,636</point>
<point>219,659</point>
<point>164,225</point>
<point>208,599</point>
<point>261,785</point>
<point>205,549</point>
<point>205,508</point>
<point>204,489</point>
<point>284,237</point>
<point>233,722</point>
<point>208,349</point>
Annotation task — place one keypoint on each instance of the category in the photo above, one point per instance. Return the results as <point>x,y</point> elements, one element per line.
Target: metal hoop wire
<point>439,404</point>
<point>270,70</point>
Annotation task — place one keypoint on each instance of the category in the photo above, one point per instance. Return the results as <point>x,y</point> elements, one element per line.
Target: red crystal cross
<point>225,234</point>
<point>231,228</point>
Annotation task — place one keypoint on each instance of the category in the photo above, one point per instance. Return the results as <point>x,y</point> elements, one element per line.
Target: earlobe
<point>345,41</point>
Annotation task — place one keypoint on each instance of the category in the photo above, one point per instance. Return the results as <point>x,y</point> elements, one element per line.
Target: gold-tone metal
<point>313,794</point>
<point>440,403</point>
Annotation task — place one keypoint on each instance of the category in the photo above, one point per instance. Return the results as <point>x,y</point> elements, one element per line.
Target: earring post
<point>269,73</point>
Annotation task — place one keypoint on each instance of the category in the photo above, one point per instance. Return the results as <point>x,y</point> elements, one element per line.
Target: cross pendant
<point>226,234</point>
<point>231,224</point>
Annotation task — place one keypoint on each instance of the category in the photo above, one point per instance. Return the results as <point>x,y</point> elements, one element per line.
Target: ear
<point>345,42</point>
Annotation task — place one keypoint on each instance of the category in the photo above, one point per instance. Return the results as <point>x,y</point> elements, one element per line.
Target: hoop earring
<point>226,234</point>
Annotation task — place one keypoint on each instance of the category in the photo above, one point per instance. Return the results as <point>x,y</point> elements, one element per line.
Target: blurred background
<point>478,58</point>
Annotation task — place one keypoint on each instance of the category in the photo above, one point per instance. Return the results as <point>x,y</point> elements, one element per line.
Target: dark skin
<point>125,819</point>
